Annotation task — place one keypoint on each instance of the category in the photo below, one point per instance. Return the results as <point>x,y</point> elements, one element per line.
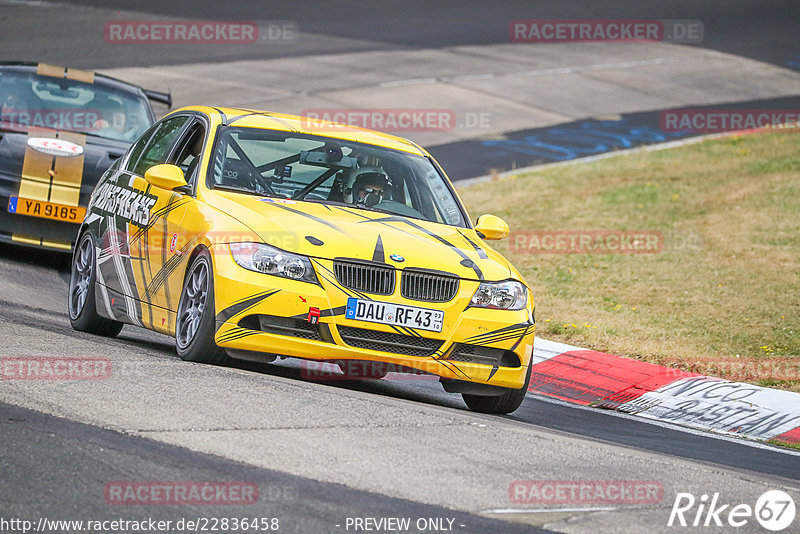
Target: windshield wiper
<point>370,208</point>
<point>347,205</point>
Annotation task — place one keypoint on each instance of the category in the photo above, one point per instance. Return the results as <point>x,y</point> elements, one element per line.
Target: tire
<point>81,299</point>
<point>506,403</point>
<point>194,328</point>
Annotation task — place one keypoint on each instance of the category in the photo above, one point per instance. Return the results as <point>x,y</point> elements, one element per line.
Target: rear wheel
<point>194,331</point>
<point>498,404</point>
<point>83,314</point>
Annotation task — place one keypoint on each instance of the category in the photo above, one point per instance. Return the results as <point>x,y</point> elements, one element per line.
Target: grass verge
<point>723,295</point>
<point>785,444</point>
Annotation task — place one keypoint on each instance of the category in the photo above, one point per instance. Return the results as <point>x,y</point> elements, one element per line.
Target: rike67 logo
<point>774,511</point>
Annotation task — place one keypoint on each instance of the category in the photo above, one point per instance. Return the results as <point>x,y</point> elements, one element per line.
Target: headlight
<point>270,260</point>
<point>500,295</point>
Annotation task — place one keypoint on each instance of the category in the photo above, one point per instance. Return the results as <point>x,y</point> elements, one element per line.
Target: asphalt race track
<point>760,30</point>
<point>94,456</point>
<point>325,453</point>
<point>504,97</point>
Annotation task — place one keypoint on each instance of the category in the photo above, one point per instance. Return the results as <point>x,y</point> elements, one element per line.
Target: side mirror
<point>492,227</point>
<point>169,177</point>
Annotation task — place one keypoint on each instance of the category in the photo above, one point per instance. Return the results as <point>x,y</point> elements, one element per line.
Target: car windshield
<point>33,101</point>
<point>313,168</point>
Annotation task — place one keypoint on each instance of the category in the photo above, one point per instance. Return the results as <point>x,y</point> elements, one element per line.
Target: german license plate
<point>46,210</point>
<point>394,314</point>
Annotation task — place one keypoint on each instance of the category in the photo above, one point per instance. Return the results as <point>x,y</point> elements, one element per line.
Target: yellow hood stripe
<point>64,185</point>
<point>36,167</point>
<point>54,179</point>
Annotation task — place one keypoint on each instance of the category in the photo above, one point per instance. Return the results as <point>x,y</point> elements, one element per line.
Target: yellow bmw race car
<point>252,235</point>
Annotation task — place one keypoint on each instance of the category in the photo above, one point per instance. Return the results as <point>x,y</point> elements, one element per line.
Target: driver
<point>371,186</point>
<point>113,120</point>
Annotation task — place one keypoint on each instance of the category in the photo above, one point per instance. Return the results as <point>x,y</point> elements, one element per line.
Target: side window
<point>158,149</point>
<point>187,155</point>
<point>137,148</point>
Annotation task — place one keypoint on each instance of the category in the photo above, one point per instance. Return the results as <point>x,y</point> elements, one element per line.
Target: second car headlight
<point>270,260</point>
<point>508,295</point>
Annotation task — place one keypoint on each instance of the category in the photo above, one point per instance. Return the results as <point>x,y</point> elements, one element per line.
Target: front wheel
<point>83,314</point>
<point>194,331</point>
<point>499,404</point>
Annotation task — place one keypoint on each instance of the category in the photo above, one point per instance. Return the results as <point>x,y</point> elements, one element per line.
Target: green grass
<point>728,280</point>
<point>780,443</point>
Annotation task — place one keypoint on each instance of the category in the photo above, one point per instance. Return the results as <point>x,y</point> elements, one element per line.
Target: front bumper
<point>267,314</point>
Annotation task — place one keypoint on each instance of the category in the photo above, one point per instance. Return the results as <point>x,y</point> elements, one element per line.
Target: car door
<point>161,251</point>
<point>136,219</point>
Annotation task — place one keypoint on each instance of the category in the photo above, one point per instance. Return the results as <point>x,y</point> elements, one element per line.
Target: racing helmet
<point>372,182</point>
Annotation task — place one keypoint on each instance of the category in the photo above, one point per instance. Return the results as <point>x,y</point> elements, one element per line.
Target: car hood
<point>98,155</point>
<point>329,231</point>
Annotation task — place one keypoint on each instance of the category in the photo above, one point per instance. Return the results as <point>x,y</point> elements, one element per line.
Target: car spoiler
<point>159,96</point>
